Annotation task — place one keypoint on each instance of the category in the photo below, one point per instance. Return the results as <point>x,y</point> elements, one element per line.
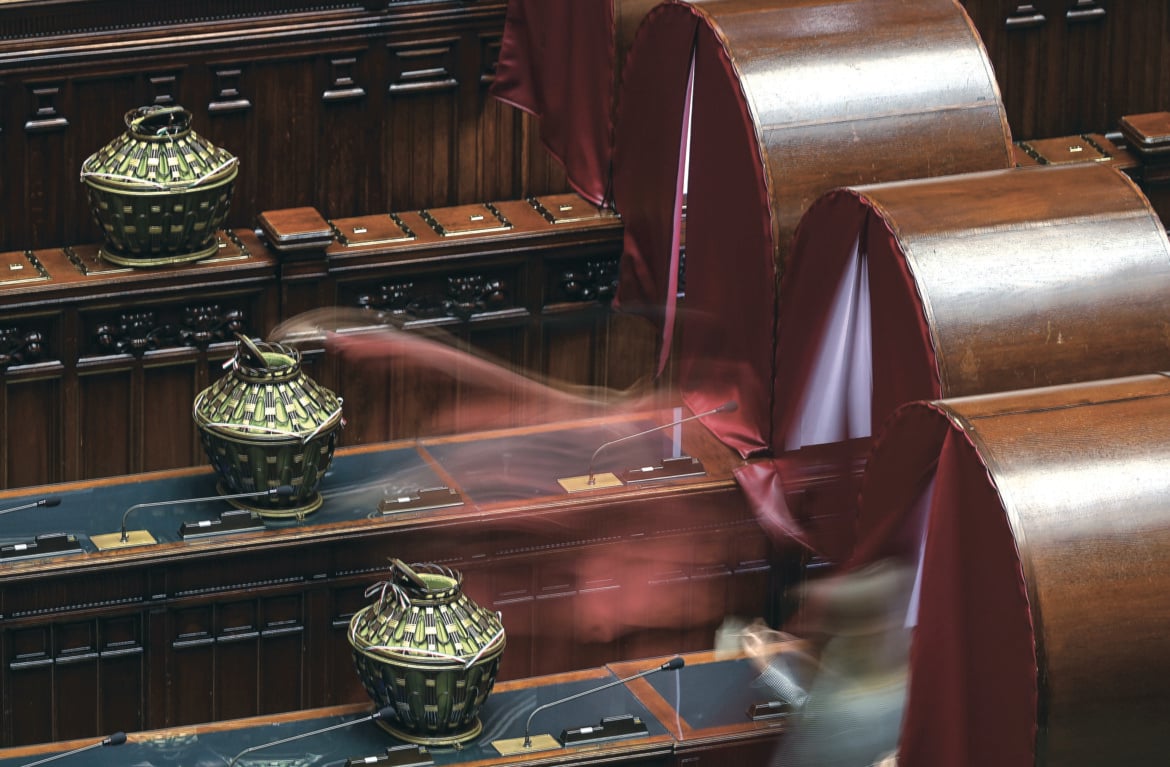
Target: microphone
<point>51,500</point>
<point>382,713</point>
<point>593,480</point>
<point>117,739</point>
<point>124,538</point>
<point>527,745</point>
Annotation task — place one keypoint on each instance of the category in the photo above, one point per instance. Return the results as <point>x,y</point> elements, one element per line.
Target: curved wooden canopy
<point>1041,521</point>
<point>787,99</point>
<point>963,285</point>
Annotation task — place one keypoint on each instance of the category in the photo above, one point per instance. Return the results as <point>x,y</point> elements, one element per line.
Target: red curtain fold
<point>646,172</point>
<point>726,343</point>
<point>556,61</point>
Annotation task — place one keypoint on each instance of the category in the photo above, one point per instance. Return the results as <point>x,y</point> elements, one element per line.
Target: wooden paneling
<point>346,109</point>
<point>1076,66</point>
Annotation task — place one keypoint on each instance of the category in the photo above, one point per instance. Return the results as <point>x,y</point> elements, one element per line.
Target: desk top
<point>706,712</point>
<point>492,473</point>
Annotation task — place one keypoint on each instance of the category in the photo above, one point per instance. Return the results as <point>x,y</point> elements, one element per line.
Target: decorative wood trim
<point>423,66</point>
<point>228,99</point>
<point>1025,16</point>
<point>46,118</point>
<point>343,88</point>
<point>164,88</point>
<point>1085,10</point>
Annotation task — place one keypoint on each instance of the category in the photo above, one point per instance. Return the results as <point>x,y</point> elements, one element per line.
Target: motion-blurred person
<point>849,697</point>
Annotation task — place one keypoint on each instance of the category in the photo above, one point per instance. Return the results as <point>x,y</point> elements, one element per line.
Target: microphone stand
<point>382,713</point>
<point>513,746</point>
<point>117,739</point>
<point>124,537</point>
<point>592,480</point>
<point>52,500</point>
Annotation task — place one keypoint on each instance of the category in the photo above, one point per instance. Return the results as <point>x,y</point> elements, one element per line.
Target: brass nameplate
<point>582,483</point>
<point>515,746</point>
<point>107,541</point>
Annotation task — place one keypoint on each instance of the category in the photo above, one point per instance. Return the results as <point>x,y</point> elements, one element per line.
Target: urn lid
<point>422,616</point>
<point>266,397</point>
<point>158,152</point>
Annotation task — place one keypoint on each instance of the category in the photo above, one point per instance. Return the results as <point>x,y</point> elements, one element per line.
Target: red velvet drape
<point>556,61</point>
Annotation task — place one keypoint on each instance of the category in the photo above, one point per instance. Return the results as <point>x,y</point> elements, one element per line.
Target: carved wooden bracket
<point>392,297</point>
<point>343,87</point>
<point>489,55</point>
<point>429,66</point>
<point>163,87</point>
<point>463,297</point>
<point>1025,15</point>
<point>1085,10</point>
<point>46,118</point>
<point>228,98</point>
<point>206,324</point>
<point>138,332</point>
<point>594,280</point>
<point>20,347</point>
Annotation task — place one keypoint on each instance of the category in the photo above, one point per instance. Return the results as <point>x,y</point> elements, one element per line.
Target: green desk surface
<point>503,716</point>
<point>705,701</point>
<point>499,467</point>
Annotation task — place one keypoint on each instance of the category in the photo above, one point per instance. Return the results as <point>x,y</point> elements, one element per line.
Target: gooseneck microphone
<point>284,491</point>
<point>592,481</point>
<point>727,407</point>
<point>125,537</point>
<point>383,713</point>
<point>117,739</point>
<point>518,746</point>
<point>51,500</point>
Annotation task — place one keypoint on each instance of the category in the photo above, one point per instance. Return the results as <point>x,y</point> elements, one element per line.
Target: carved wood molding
<point>342,85</point>
<point>20,346</point>
<point>1085,10</point>
<point>46,117</point>
<point>1025,16</point>
<point>460,297</point>
<point>590,280</point>
<point>140,331</point>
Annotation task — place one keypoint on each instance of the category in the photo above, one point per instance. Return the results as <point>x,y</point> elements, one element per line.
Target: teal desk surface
<point>496,468</point>
<point>712,695</point>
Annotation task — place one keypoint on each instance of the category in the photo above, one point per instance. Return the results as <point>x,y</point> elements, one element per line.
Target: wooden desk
<point>712,728</point>
<point>209,629</point>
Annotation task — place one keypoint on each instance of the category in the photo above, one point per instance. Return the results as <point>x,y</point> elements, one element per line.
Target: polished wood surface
<point>1022,285</point>
<point>1077,472</point>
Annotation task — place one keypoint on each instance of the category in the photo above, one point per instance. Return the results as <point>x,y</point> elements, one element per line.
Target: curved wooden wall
<point>1041,624</point>
<point>789,101</point>
<point>979,283</point>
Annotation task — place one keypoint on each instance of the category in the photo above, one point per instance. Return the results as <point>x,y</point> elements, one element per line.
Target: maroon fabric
<point>973,668</point>
<point>820,254</point>
<point>905,367</point>
<point>808,497</point>
<point>726,345</point>
<point>557,62</point>
<point>647,137</point>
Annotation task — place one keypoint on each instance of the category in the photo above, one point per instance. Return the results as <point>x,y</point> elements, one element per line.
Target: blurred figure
<point>849,697</point>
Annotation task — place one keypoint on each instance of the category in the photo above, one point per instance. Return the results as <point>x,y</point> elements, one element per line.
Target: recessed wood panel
<point>106,422</point>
